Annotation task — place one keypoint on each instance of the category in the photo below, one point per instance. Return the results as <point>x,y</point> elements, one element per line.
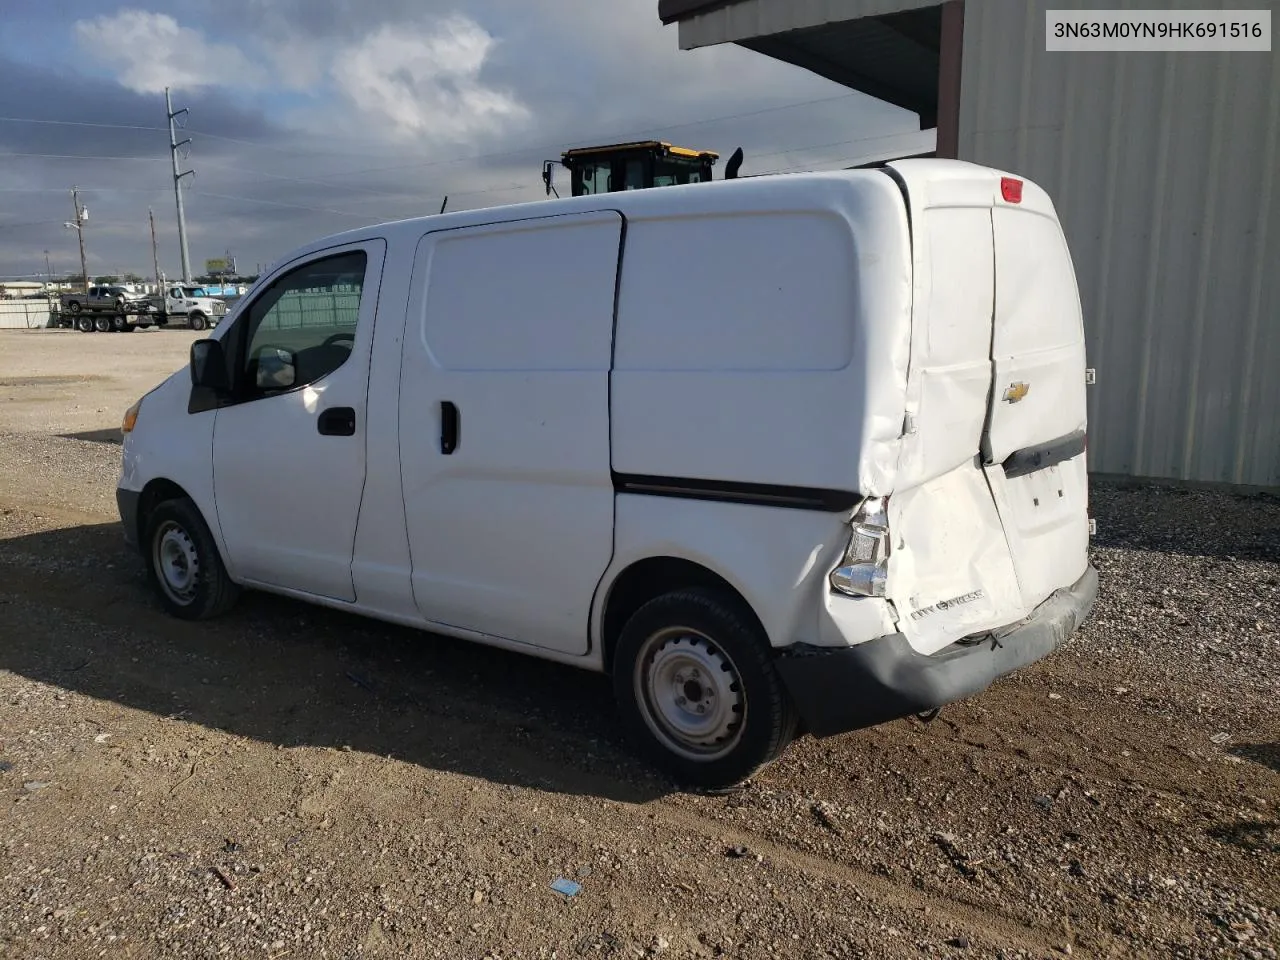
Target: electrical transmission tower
<point>177,181</point>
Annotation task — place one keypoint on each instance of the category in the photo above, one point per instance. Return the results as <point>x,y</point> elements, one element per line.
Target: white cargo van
<point>781,454</point>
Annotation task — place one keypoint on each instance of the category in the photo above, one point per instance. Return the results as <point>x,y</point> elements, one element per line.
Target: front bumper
<point>127,502</point>
<point>847,688</point>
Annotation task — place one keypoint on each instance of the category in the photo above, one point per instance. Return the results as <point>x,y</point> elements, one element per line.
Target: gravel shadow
<point>96,436</point>
<point>1197,523</point>
<point>76,612</point>
<point>1267,754</point>
<point>1252,835</point>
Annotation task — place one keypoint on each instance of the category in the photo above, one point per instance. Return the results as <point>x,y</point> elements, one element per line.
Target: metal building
<point>1164,169</point>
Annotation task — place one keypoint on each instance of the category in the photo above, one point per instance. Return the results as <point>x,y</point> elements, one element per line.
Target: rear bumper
<point>847,688</point>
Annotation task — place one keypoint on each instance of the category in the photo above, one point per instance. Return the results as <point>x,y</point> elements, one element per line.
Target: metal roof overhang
<point>888,49</point>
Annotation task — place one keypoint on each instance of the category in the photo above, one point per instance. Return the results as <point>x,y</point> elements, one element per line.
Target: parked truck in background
<point>188,303</point>
<point>107,309</point>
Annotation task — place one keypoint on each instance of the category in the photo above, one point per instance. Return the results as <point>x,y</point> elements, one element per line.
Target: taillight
<point>1011,189</point>
<point>863,571</point>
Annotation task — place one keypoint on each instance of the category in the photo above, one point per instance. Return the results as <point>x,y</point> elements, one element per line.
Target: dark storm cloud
<point>315,160</point>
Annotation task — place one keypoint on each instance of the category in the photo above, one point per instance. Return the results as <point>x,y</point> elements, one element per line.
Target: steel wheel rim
<point>690,694</point>
<point>102,324</point>
<point>176,562</point>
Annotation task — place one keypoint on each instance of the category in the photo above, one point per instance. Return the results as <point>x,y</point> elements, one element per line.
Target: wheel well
<point>646,579</point>
<point>153,494</point>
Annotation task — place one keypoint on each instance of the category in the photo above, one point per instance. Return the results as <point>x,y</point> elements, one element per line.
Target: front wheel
<point>120,324</point>
<point>696,688</point>
<point>197,320</point>
<point>183,563</point>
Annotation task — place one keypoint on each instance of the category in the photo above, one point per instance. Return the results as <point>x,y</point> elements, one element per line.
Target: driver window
<point>303,326</point>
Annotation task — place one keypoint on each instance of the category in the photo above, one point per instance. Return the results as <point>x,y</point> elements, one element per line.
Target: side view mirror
<point>209,366</point>
<point>546,177</point>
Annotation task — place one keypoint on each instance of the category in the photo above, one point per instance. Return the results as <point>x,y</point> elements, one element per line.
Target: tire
<point>102,323</point>
<point>122,307</point>
<point>197,320</point>
<point>120,324</point>
<point>73,307</point>
<point>183,563</point>
<point>714,637</point>
<point>83,322</point>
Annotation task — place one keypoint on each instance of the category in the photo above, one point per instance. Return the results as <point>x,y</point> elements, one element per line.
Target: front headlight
<point>131,417</point>
<point>864,569</point>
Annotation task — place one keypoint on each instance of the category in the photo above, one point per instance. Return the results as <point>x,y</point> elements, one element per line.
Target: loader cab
<point>630,166</point>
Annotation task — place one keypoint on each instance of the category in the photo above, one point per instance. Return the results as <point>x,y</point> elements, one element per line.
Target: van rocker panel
<point>836,690</point>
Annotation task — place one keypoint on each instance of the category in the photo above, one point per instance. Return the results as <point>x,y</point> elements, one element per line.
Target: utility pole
<point>48,272</point>
<point>177,182</point>
<point>78,224</point>
<point>155,257</point>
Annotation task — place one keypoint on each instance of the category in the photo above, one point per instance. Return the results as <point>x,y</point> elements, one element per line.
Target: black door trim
<point>1044,455</point>
<point>732,491</point>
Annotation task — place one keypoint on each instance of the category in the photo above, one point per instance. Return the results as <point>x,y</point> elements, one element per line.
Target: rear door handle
<point>337,422</point>
<point>448,427</point>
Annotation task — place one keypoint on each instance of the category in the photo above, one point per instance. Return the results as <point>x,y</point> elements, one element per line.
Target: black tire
<point>197,320</point>
<point>120,324</point>
<point>73,307</point>
<point>122,307</point>
<point>694,626</point>
<point>178,541</point>
<point>84,323</point>
<point>102,323</point>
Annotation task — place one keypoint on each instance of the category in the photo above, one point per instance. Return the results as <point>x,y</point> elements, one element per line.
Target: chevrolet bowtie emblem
<point>1016,392</point>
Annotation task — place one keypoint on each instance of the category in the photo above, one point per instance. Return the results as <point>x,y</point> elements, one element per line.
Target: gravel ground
<point>293,782</point>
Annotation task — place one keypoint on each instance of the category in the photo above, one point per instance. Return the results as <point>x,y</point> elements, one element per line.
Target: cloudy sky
<point>313,116</point>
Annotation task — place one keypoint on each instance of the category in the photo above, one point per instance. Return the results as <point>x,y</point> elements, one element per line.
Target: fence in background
<point>23,314</point>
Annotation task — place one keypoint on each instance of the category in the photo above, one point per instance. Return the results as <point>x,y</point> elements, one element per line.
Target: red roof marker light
<point>1011,189</point>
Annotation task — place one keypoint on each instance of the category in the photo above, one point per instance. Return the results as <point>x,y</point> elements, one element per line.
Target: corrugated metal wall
<point>1164,169</point>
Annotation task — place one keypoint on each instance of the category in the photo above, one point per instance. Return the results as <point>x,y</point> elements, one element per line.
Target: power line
<point>597,138</point>
<point>281,203</point>
<point>79,123</point>
<point>72,156</point>
<point>29,223</point>
<point>280,176</point>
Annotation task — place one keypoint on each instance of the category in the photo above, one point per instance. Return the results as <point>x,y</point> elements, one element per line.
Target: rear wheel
<point>183,563</point>
<point>102,323</point>
<point>73,306</point>
<point>120,324</point>
<point>696,688</point>
<point>197,320</point>
<point>84,323</point>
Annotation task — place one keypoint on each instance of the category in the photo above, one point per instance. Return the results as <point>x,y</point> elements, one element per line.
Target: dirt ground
<point>293,782</point>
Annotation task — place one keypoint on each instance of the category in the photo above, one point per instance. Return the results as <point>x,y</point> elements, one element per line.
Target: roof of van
<point>746,193</point>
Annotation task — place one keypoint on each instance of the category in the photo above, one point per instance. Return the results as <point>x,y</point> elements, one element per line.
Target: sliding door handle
<point>448,427</point>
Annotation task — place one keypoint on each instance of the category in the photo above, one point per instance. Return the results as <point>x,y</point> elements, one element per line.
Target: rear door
<point>1034,442</point>
<point>504,425</point>
<point>990,508</point>
<point>988,515</point>
<point>950,570</point>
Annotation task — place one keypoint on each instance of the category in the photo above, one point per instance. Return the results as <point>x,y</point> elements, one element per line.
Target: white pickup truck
<point>191,304</point>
